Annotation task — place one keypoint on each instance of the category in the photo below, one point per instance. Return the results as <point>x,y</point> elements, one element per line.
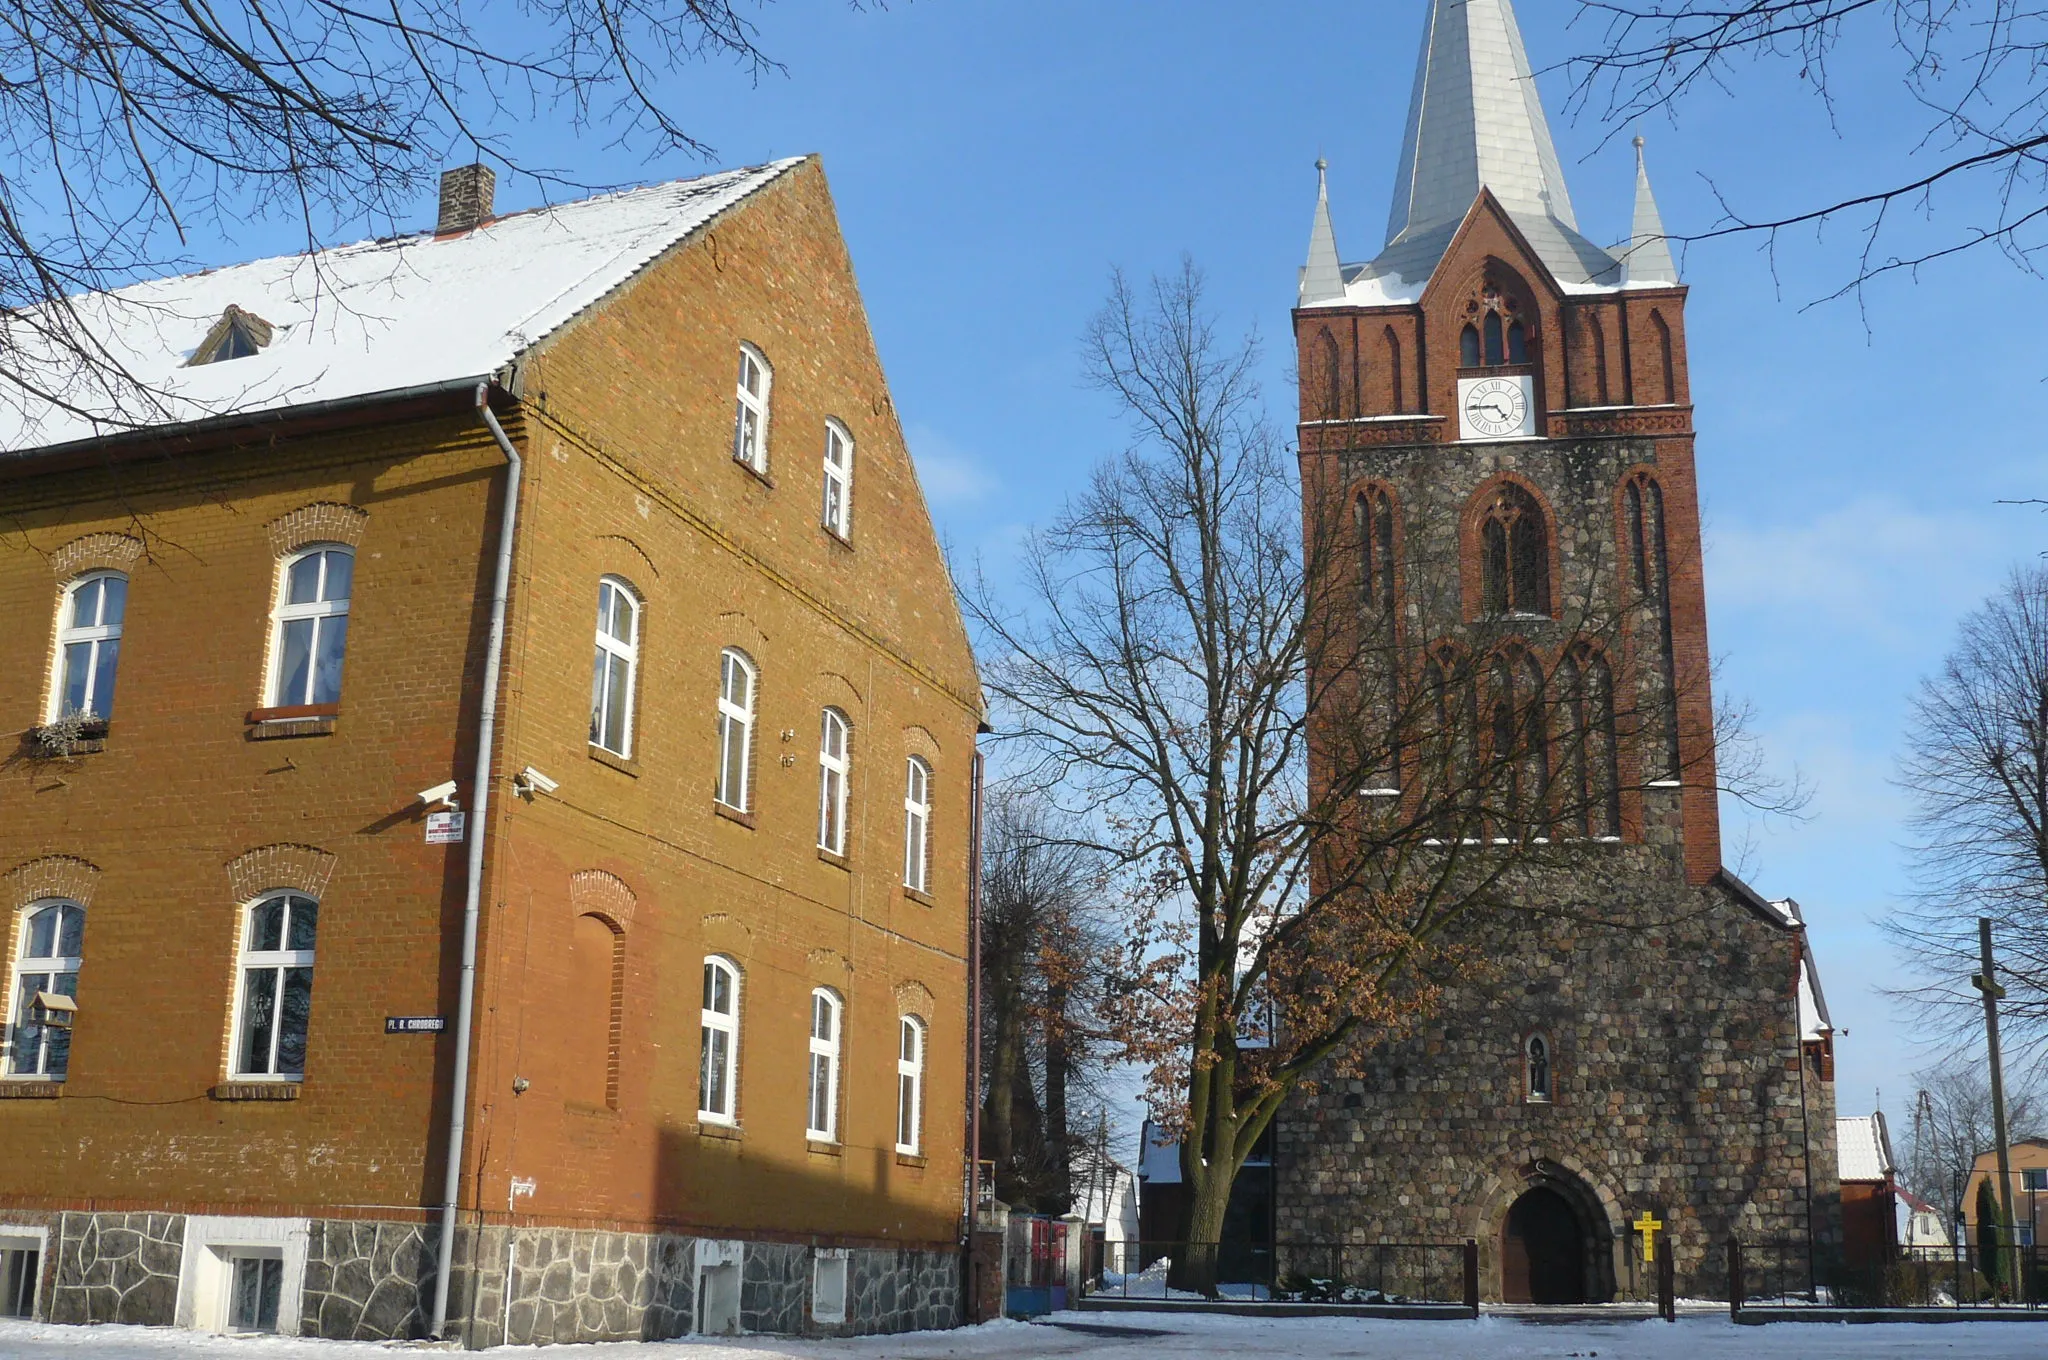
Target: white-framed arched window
<point>310,635</point>
<point>834,766</point>
<point>917,821</point>
<point>274,1001</point>
<point>1536,1069</point>
<point>89,646</point>
<point>616,667</point>
<point>822,1119</point>
<point>736,685</point>
<point>718,1065</point>
<point>750,425</point>
<point>46,960</point>
<point>910,1086</point>
<point>838,509</point>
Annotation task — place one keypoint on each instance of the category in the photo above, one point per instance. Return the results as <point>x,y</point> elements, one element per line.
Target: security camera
<point>443,794</point>
<point>530,781</point>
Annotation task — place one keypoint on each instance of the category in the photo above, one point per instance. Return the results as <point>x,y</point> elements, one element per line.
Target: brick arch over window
<point>831,966</point>
<point>321,522</point>
<point>96,552</point>
<point>914,998</point>
<point>725,933</point>
<point>302,868</point>
<point>64,876</point>
<point>1509,560</point>
<point>1326,376</point>
<point>594,891</point>
<point>593,1011</point>
<point>1497,322</point>
<point>633,547</point>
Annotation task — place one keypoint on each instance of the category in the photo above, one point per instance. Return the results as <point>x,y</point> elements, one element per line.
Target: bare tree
<point>1976,765</point>
<point>1971,67</point>
<point>1303,800</point>
<point>1952,1125</point>
<point>1041,974</point>
<point>129,126</point>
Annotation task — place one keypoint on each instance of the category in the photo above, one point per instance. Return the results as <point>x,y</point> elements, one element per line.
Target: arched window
<point>1494,335</point>
<point>1376,549</point>
<point>823,1118</point>
<point>735,728</point>
<point>837,514</point>
<point>311,627</point>
<point>1650,572</point>
<point>1589,764</point>
<point>89,646</point>
<point>1519,758</point>
<point>1327,380</point>
<point>46,962</point>
<point>750,426</point>
<point>1669,369</point>
<point>594,1012</point>
<point>1514,546</point>
<point>1468,347</point>
<point>718,1067</point>
<point>276,993</point>
<point>910,1086</point>
<point>917,821</point>
<point>1536,1069</point>
<point>618,661</point>
<point>833,769</point>
<point>1394,371</point>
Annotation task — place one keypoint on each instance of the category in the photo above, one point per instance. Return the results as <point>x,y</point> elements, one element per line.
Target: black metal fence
<point>1792,1273</point>
<point>1294,1272</point>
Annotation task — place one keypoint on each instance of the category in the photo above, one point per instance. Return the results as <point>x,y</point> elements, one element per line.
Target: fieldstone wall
<point>368,1281</point>
<point>116,1268</point>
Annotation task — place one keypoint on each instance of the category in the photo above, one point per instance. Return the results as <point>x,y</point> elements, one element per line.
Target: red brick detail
<point>1471,555</point>
<point>51,876</point>
<point>593,892</point>
<point>269,868</point>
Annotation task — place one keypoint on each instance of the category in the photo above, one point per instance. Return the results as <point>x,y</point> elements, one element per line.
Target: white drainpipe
<point>480,805</point>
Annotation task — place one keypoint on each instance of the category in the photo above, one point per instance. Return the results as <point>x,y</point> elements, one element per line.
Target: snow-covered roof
<point>1158,1156</point>
<point>1864,1147</point>
<point>353,322</point>
<point>1814,1020</point>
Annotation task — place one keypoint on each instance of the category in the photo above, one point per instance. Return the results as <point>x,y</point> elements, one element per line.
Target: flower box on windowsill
<point>73,736</point>
<point>256,1090</point>
<point>298,720</point>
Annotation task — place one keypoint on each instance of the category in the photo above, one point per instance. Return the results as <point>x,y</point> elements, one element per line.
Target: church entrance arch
<point>1543,1250</point>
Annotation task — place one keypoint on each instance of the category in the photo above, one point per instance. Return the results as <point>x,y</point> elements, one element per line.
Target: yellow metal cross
<point>1648,1225</point>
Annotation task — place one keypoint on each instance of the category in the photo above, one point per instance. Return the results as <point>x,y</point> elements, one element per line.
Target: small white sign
<point>445,828</point>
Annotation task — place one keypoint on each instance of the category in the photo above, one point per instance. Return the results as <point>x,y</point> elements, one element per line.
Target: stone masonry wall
<point>116,1268</point>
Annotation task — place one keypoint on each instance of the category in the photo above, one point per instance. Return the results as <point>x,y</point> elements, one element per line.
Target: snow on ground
<point>1137,1336</point>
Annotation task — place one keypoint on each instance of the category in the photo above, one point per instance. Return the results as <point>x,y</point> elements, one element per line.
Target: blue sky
<point>992,162</point>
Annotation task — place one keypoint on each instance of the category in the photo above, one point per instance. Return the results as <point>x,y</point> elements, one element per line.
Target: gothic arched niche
<point>1497,322</point>
<point>1325,379</point>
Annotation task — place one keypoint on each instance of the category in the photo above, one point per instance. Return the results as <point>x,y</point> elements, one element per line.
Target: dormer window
<point>237,335</point>
<point>1494,334</point>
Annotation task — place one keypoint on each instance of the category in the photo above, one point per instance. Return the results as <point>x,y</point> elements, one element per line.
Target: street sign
<point>414,1024</point>
<point>445,828</point>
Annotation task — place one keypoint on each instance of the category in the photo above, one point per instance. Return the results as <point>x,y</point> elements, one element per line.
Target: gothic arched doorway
<point>1543,1250</point>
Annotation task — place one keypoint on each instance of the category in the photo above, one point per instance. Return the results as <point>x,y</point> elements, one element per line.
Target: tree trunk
<point>1196,1259</point>
<point>1006,1059</point>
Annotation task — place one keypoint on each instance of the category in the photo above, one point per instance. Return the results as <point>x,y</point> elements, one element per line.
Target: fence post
<point>1734,1279</point>
<point>1472,1275</point>
<point>1667,1284</point>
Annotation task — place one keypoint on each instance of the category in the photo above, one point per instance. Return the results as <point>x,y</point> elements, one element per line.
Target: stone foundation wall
<point>114,1268</point>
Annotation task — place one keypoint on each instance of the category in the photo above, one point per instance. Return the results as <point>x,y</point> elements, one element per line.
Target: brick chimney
<point>465,198</point>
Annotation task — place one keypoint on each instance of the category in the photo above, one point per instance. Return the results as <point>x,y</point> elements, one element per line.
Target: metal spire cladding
<point>1648,257</point>
<point>1322,280</point>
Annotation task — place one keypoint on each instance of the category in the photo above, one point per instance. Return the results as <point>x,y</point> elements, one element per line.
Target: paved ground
<point>1125,1337</point>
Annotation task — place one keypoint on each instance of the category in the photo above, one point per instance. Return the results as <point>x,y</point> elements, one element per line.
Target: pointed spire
<point>1648,258</point>
<point>1322,278</point>
<point>1475,121</point>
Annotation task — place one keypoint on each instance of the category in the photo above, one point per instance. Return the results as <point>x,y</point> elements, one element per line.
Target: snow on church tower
<point>1505,408</point>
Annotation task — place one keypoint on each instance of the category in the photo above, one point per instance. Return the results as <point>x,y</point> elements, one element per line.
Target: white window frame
<point>726,1023</point>
<point>318,610</point>
<point>821,1090</point>
<point>830,1279</point>
<point>736,729</point>
<point>18,1240</point>
<point>835,770</point>
<point>837,511</point>
<point>911,1043</point>
<point>917,824</point>
<point>94,637</point>
<point>53,966</point>
<point>276,962</point>
<point>752,404</point>
<point>613,651</point>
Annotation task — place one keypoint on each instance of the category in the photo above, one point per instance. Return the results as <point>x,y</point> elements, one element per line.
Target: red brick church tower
<point>1495,393</point>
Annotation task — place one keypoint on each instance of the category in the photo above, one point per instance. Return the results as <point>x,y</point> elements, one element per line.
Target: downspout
<point>480,804</point>
<point>973,1021</point>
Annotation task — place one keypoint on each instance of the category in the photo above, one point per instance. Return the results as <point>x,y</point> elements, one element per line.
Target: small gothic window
<point>1376,549</point>
<point>1328,377</point>
<point>1590,769</point>
<point>1670,373</point>
<point>1596,341</point>
<point>237,335</point>
<point>1515,554</point>
<point>1495,334</point>
<point>1536,1068</point>
<point>1650,568</point>
<point>1519,764</point>
<point>1394,371</point>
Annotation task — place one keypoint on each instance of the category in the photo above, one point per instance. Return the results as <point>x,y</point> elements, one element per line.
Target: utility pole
<point>1986,982</point>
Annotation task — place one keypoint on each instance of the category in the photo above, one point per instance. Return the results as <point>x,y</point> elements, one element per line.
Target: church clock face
<point>1496,408</point>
